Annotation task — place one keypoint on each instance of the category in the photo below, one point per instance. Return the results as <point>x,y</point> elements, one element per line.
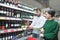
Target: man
<point>37,23</point>
<point>50,27</point>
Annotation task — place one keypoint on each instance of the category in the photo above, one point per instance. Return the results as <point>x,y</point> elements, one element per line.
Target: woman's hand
<point>41,35</point>
<point>42,30</point>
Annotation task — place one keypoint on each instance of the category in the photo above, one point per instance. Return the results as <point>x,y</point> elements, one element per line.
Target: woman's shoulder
<point>55,22</point>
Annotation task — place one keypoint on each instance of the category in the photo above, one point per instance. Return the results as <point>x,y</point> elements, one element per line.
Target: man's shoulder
<point>34,17</point>
<point>42,17</point>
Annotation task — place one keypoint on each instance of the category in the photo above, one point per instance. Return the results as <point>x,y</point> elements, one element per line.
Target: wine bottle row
<point>9,24</point>
<point>12,3</point>
<point>4,11</point>
<point>11,35</point>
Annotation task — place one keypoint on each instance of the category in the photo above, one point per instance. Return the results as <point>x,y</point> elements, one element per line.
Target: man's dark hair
<point>37,9</point>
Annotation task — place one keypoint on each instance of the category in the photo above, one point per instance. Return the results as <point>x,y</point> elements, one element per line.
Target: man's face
<point>38,12</point>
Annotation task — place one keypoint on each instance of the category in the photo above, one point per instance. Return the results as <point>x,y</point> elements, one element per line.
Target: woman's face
<point>47,15</point>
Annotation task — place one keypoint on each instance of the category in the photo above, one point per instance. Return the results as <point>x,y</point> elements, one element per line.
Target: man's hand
<point>42,30</point>
<point>28,28</point>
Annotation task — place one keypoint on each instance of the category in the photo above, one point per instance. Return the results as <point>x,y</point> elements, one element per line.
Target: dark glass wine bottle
<point>0,1</point>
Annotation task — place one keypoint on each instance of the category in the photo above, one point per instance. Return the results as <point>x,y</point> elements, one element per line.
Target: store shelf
<point>27,19</point>
<point>25,6</point>
<point>10,21</point>
<point>11,30</point>
<point>1,4</point>
<point>9,18</point>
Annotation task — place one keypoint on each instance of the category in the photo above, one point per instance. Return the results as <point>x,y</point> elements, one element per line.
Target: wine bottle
<point>1,14</point>
<point>6,26</point>
<point>3,1</point>
<point>7,10</point>
<point>9,1</point>
<point>12,3</point>
<point>0,1</point>
<point>15,2</point>
<point>0,8</point>
<point>12,12</point>
<point>3,25</point>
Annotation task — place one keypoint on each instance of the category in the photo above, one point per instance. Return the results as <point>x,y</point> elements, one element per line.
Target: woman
<point>51,27</point>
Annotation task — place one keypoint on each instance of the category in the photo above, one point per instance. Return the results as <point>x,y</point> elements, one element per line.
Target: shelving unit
<point>11,16</point>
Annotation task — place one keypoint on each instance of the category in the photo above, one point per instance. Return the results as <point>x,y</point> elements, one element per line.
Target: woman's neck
<point>50,18</point>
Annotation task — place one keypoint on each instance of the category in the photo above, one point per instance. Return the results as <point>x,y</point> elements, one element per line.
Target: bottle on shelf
<point>12,12</point>
<point>17,25</point>
<point>0,8</point>
<point>6,26</point>
<point>9,12</point>
<point>4,9</point>
<point>2,12</point>
<point>0,25</point>
<point>12,25</point>
<point>0,1</point>
<point>10,2</point>
<point>3,25</point>
<point>15,2</point>
<point>4,1</point>
<point>7,4</point>
<point>9,25</point>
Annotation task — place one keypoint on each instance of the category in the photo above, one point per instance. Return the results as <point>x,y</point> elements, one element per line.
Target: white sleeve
<point>33,22</point>
<point>41,23</point>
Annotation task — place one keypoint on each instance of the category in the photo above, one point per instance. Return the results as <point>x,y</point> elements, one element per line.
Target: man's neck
<point>38,15</point>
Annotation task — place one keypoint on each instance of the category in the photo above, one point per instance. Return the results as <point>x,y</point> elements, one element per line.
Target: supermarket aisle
<point>23,38</point>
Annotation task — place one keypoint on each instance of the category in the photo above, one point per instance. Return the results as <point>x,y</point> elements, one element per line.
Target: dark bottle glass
<point>0,1</point>
<point>2,12</point>
<point>3,25</point>
<point>10,3</point>
<point>0,7</point>
<point>12,12</point>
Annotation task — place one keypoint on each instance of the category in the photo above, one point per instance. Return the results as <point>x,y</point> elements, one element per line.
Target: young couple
<point>44,27</point>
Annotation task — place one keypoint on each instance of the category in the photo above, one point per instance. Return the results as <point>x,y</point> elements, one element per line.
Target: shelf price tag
<point>12,30</point>
<point>5,31</point>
